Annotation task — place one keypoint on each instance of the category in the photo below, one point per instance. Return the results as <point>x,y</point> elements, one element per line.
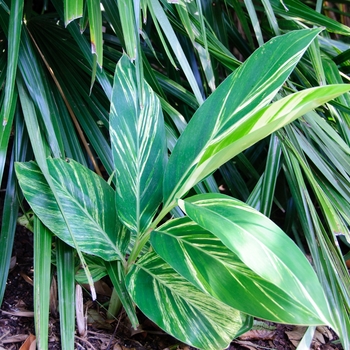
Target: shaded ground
<point>17,322</point>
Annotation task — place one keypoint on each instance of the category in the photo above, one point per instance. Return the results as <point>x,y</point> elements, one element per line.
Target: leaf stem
<point>143,238</point>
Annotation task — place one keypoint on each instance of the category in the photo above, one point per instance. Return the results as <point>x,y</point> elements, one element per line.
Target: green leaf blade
<point>14,39</point>
<point>262,246</point>
<point>139,149</point>
<point>297,10</point>
<point>261,124</point>
<point>95,21</point>
<point>88,202</point>
<point>72,9</point>
<point>188,314</point>
<point>206,262</point>
<point>265,70</point>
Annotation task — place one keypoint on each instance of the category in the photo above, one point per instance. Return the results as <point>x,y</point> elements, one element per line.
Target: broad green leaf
<point>88,203</point>
<point>40,150</point>
<point>139,148</point>
<point>96,268</point>
<point>72,9</point>
<point>234,100</point>
<point>206,262</point>
<point>262,246</point>
<point>295,9</point>
<point>224,145</point>
<point>179,308</point>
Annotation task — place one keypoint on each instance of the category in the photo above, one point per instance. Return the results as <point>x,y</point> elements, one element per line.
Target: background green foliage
<point>59,98</point>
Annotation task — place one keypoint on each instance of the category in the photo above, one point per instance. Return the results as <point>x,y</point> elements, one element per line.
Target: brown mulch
<point>15,326</point>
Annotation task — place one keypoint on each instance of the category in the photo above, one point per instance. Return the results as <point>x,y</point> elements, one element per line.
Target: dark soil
<point>116,335</point>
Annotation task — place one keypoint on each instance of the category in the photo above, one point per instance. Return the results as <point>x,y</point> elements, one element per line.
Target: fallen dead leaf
<point>26,278</point>
<point>247,344</point>
<point>13,262</point>
<point>318,337</point>
<point>29,344</point>
<point>296,334</point>
<point>19,313</point>
<point>79,311</point>
<point>325,331</point>
<point>101,288</point>
<point>263,334</point>
<point>53,297</point>
<point>15,339</point>
<point>95,318</point>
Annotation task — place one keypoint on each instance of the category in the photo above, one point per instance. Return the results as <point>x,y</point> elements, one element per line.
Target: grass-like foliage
<point>194,154</point>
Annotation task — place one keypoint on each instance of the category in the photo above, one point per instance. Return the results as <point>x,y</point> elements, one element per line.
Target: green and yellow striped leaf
<point>88,203</point>
<point>179,308</point>
<point>264,122</point>
<point>138,146</point>
<point>201,258</point>
<point>72,9</point>
<point>262,246</point>
<point>250,88</point>
<point>95,25</point>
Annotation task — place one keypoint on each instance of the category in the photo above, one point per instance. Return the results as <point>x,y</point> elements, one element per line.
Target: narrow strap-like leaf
<point>72,9</point>
<point>42,282</point>
<point>117,276</point>
<point>10,99</point>
<point>159,15</point>
<point>298,10</point>
<point>95,21</point>
<point>66,292</point>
